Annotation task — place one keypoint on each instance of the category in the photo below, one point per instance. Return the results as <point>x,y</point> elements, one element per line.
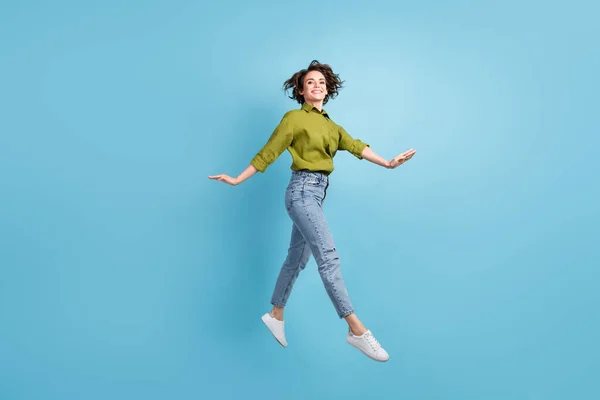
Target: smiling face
<point>314,87</point>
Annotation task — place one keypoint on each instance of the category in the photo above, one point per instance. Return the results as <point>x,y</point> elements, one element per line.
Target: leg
<point>297,258</point>
<point>356,327</point>
<point>307,214</point>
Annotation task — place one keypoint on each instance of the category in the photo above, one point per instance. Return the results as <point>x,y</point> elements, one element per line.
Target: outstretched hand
<point>401,158</point>
<point>225,178</point>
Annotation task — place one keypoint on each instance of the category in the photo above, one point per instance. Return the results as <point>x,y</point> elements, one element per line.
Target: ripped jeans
<point>310,235</point>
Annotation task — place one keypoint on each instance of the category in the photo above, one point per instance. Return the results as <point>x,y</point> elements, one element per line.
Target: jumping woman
<point>312,138</point>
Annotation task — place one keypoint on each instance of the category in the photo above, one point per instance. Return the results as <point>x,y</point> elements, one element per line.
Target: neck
<point>316,104</point>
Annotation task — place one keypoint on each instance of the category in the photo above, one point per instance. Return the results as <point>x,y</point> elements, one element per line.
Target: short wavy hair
<point>296,82</point>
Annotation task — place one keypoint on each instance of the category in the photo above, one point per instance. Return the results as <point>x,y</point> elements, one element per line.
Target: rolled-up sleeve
<point>354,146</point>
<point>280,139</point>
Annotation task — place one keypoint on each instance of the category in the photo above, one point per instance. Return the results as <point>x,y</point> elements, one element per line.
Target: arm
<point>400,159</point>
<point>247,173</point>
<point>362,150</point>
<point>280,139</point>
<point>370,155</point>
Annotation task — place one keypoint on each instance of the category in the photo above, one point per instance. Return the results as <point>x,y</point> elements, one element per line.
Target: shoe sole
<point>267,325</point>
<point>365,353</point>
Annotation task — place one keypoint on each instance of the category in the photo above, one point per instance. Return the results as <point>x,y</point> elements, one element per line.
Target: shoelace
<point>372,341</point>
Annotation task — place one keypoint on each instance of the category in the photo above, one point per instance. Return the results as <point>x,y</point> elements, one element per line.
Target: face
<point>315,87</point>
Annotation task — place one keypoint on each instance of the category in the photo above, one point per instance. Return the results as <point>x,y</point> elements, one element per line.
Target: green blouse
<point>311,138</point>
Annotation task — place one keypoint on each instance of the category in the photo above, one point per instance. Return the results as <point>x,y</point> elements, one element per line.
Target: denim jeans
<point>304,198</point>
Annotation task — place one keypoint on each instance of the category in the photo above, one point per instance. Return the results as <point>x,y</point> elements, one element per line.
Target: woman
<point>313,138</point>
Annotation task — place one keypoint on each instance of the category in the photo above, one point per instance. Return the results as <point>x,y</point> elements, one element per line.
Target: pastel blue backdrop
<point>127,274</point>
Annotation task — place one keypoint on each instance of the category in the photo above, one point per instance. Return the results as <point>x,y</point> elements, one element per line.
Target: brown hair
<point>296,82</point>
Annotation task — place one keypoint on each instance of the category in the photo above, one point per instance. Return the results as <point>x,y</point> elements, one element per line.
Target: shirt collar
<point>308,108</point>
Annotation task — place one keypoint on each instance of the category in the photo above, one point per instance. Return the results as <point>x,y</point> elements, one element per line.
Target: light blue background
<point>127,274</point>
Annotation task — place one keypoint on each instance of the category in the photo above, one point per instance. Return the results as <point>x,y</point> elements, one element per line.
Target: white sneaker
<point>368,345</point>
<point>276,328</point>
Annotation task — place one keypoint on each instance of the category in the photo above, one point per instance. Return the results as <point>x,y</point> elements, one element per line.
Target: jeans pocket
<point>312,182</point>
